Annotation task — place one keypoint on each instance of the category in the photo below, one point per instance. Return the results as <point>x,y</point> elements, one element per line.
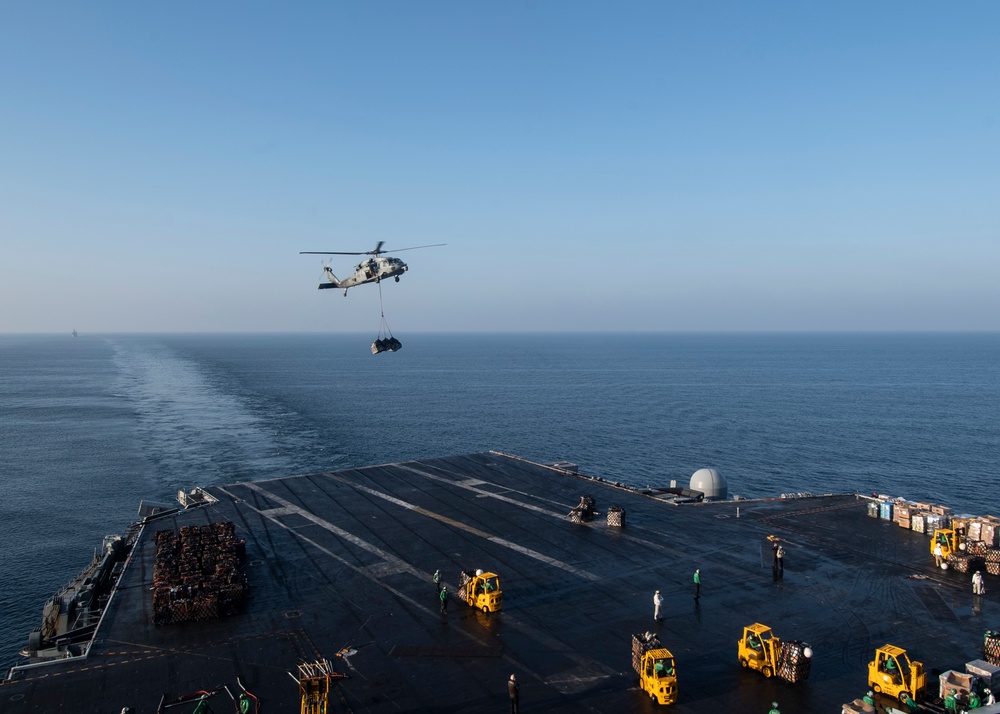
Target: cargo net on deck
<point>196,574</point>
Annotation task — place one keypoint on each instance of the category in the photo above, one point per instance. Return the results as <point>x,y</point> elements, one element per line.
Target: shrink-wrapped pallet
<point>989,674</point>
<point>975,529</point>
<point>989,532</point>
<point>886,510</point>
<point>873,509</point>
<point>935,522</point>
<point>918,523</point>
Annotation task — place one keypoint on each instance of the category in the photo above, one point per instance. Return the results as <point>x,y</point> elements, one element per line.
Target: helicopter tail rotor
<point>333,281</point>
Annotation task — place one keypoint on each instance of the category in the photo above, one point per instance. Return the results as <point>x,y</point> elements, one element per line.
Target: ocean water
<point>91,425</point>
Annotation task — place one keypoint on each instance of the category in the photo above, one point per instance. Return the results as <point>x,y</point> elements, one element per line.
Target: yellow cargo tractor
<point>480,590</point>
<point>950,540</point>
<point>892,673</point>
<point>655,667</point>
<point>759,649</point>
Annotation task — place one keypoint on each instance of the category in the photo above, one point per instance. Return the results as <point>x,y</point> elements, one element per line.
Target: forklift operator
<point>663,668</point>
<point>891,669</point>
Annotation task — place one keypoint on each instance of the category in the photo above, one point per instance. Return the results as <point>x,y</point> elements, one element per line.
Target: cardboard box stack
<point>902,515</point>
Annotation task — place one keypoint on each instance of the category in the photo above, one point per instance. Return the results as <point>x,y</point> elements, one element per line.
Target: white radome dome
<point>711,483</point>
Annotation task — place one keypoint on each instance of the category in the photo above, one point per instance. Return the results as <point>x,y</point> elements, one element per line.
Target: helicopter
<point>372,270</point>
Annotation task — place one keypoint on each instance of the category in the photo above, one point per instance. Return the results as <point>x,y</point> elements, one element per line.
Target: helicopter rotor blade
<point>399,250</point>
<point>377,251</point>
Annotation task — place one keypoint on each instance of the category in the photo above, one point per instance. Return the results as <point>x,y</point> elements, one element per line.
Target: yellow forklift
<point>892,673</point>
<point>480,590</point>
<point>759,649</point>
<point>656,668</point>
<point>950,540</point>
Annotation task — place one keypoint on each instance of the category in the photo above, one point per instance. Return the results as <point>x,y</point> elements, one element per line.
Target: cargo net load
<point>585,511</point>
<point>196,574</point>
<point>793,662</point>
<point>964,562</point>
<point>385,342</point>
<point>991,647</point>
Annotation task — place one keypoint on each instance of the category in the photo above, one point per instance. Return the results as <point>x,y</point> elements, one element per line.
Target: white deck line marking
<point>275,512</point>
<point>470,485</point>
<point>289,508</point>
<point>469,529</point>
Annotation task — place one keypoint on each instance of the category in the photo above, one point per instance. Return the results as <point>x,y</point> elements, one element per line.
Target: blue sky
<point>591,166</point>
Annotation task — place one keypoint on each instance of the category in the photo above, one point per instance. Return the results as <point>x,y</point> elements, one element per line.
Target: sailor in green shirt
<point>774,708</point>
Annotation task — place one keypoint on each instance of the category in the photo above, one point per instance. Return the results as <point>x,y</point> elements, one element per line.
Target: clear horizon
<point>652,167</point>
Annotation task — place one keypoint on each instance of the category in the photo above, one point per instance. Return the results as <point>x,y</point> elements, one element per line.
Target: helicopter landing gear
<point>397,278</point>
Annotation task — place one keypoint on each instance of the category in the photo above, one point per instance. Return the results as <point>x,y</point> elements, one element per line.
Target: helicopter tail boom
<point>334,281</point>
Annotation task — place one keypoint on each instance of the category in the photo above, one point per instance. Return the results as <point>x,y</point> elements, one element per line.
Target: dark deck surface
<point>345,559</point>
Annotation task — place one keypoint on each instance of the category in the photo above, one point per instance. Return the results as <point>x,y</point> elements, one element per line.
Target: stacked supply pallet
<point>990,533</point>
<point>196,573</point>
<point>962,563</point>
<point>991,647</point>
<point>641,644</point>
<point>793,663</point>
<point>464,578</point>
<point>902,516</point>
<point>993,561</point>
<point>976,549</point>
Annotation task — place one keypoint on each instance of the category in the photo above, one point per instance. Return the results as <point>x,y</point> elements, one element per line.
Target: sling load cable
<point>388,343</point>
